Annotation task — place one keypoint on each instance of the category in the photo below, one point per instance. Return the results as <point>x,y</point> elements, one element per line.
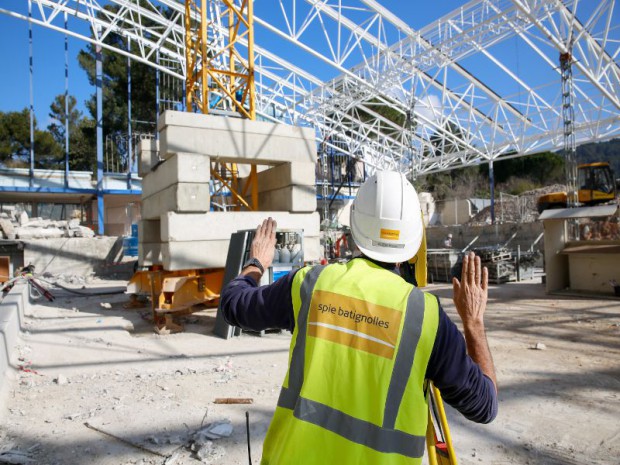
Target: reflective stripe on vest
<point>380,438</point>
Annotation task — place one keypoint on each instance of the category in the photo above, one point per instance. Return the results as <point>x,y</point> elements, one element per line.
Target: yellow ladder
<point>440,449</point>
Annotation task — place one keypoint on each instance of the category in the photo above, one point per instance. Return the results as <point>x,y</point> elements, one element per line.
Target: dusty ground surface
<point>559,404</point>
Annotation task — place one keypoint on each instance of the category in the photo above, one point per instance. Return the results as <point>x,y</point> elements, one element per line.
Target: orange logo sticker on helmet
<point>390,234</point>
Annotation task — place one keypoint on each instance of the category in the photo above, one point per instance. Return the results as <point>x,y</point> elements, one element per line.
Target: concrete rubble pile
<point>178,230</point>
<point>14,225</point>
<point>516,209</point>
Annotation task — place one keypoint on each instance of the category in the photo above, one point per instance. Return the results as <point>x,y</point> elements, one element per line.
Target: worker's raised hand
<point>264,242</point>
<point>471,292</point>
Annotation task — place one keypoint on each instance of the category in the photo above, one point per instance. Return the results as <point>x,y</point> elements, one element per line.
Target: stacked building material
<point>500,263</point>
<point>178,230</point>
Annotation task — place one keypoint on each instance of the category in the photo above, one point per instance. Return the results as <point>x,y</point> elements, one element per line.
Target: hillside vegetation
<point>516,175</point>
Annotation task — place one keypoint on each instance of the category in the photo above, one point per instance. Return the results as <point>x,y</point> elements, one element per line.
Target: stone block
<point>179,168</point>
<point>234,139</point>
<point>149,254</point>
<point>283,175</point>
<point>194,254</point>
<point>294,199</point>
<point>220,225</point>
<point>148,156</point>
<point>149,231</point>
<point>181,197</point>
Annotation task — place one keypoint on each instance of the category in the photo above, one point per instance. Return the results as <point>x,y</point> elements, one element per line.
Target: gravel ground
<point>95,379</point>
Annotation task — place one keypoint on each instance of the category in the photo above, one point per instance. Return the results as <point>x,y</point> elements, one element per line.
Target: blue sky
<point>49,55</point>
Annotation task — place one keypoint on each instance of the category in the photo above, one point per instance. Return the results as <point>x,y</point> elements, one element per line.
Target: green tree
<point>115,91</point>
<point>15,142</point>
<point>82,133</point>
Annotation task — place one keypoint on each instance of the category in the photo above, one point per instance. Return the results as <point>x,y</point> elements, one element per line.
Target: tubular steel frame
<point>343,62</point>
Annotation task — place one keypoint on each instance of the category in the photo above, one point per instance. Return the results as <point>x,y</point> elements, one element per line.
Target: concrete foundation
<point>233,140</point>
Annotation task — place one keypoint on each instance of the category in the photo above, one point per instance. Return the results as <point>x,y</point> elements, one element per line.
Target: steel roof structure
<point>477,85</point>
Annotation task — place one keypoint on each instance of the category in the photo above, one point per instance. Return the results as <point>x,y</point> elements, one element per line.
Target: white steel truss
<point>481,83</point>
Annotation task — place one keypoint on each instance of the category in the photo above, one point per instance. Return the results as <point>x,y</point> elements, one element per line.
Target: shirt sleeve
<point>255,308</point>
<point>458,377</point>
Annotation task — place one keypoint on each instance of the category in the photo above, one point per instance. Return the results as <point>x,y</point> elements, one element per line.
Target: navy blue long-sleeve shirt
<point>454,373</point>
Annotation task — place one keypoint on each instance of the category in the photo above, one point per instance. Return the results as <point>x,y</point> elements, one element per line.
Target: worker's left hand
<point>264,244</point>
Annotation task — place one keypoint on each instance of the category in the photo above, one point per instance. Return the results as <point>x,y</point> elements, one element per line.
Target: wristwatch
<point>255,262</point>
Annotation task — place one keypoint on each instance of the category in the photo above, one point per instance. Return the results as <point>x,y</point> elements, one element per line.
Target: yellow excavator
<point>595,182</point>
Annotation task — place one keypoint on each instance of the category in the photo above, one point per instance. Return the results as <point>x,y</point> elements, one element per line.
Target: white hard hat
<point>386,219</point>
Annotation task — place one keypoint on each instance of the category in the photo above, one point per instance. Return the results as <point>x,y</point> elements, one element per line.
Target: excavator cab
<point>596,183</point>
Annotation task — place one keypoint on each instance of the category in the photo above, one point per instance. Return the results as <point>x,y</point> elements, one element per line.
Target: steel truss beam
<point>354,58</point>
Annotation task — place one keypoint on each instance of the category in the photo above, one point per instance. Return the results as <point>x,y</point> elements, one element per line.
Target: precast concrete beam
<point>179,168</point>
<point>220,225</point>
<point>181,197</point>
<point>148,156</point>
<point>233,140</point>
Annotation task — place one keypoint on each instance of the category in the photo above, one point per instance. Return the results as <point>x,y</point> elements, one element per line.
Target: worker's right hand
<point>471,292</point>
<point>264,243</point>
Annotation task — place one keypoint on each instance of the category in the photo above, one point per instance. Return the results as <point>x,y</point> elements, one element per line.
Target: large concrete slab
<point>220,225</point>
<point>284,175</point>
<point>148,156</point>
<point>297,199</point>
<point>181,197</point>
<point>233,139</point>
<point>179,168</point>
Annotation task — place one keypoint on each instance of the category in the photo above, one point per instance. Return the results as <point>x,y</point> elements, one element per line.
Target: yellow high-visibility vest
<point>354,392</point>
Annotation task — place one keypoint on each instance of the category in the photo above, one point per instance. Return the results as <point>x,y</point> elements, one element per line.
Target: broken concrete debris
<point>13,226</point>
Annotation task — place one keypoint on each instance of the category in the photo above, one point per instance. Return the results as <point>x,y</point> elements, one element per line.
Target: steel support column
<point>99,84</point>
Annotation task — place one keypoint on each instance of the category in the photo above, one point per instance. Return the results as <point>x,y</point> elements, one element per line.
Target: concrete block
<point>283,175</point>
<point>148,156</point>
<point>194,254</point>
<point>213,254</point>
<point>179,168</point>
<point>292,198</point>
<point>149,254</point>
<point>149,231</point>
<point>233,139</point>
<point>181,197</point>
<point>220,225</point>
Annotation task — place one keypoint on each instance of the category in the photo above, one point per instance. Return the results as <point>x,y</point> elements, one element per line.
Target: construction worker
<point>447,242</point>
<point>365,341</point>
